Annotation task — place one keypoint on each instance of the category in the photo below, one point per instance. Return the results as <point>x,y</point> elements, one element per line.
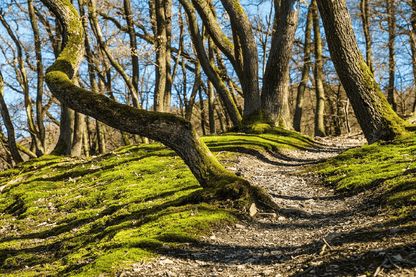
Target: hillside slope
<point>84,217</point>
<point>105,215</point>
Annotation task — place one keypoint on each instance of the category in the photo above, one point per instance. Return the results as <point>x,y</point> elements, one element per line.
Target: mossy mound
<point>273,139</point>
<point>84,217</point>
<point>389,168</point>
<point>62,216</point>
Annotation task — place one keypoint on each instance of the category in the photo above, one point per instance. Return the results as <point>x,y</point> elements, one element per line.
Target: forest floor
<point>318,231</point>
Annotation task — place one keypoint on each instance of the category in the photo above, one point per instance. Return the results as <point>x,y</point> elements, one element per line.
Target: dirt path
<point>317,232</point>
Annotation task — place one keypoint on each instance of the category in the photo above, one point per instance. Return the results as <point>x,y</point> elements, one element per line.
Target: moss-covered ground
<point>386,170</point>
<point>86,217</point>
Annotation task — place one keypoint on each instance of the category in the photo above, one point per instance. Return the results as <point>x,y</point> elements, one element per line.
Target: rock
<point>239,226</point>
<point>166,261</point>
<point>253,210</point>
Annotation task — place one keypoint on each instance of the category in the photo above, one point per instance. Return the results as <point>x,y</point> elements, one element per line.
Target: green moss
<point>87,214</point>
<point>388,168</point>
<point>99,214</point>
<point>393,127</point>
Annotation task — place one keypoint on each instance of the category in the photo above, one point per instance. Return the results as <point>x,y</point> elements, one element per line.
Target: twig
<point>388,257</point>
<point>304,272</point>
<point>329,246</point>
<point>380,268</point>
<point>323,250</point>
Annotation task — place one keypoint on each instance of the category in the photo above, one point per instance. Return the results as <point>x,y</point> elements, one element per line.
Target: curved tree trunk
<point>374,114</point>
<point>275,95</point>
<point>173,131</point>
<point>243,30</point>
<point>210,71</point>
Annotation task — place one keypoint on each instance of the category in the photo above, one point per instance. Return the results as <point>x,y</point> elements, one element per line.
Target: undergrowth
<point>63,216</point>
<point>387,168</point>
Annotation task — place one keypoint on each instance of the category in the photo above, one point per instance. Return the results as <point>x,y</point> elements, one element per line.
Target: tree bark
<point>208,68</point>
<point>319,86</point>
<point>25,85</point>
<point>374,114</point>
<point>297,119</point>
<point>243,30</point>
<point>173,131</point>
<point>275,95</point>
<point>11,140</point>
<point>79,126</point>
<point>162,28</point>
<point>133,44</point>
<point>40,78</point>
<point>412,37</point>
<point>365,17</point>
<point>391,19</point>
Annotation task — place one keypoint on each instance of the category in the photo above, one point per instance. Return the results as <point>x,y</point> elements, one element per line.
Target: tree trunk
<point>210,71</point>
<point>305,73</point>
<point>413,48</point>
<point>133,45</point>
<point>163,64</point>
<point>11,140</point>
<point>391,19</point>
<point>25,85</point>
<point>40,78</point>
<point>243,30</point>
<point>319,86</point>
<point>275,95</point>
<point>374,114</point>
<point>173,131</point>
<point>66,131</point>
<point>365,17</point>
<point>202,107</point>
<point>189,105</point>
<point>79,126</point>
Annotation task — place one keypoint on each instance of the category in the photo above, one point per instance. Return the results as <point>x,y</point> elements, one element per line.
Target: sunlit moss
<point>389,166</point>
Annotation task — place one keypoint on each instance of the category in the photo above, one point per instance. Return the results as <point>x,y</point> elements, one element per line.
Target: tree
<point>318,74</point>
<point>9,126</point>
<point>374,114</point>
<point>275,94</point>
<point>365,17</point>
<point>173,131</point>
<point>391,19</point>
<point>305,72</point>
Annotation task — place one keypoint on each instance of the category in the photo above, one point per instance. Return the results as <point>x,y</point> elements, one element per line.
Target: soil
<point>316,232</point>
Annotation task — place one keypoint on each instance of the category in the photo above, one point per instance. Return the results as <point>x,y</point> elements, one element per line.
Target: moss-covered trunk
<point>374,114</point>
<point>173,131</point>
